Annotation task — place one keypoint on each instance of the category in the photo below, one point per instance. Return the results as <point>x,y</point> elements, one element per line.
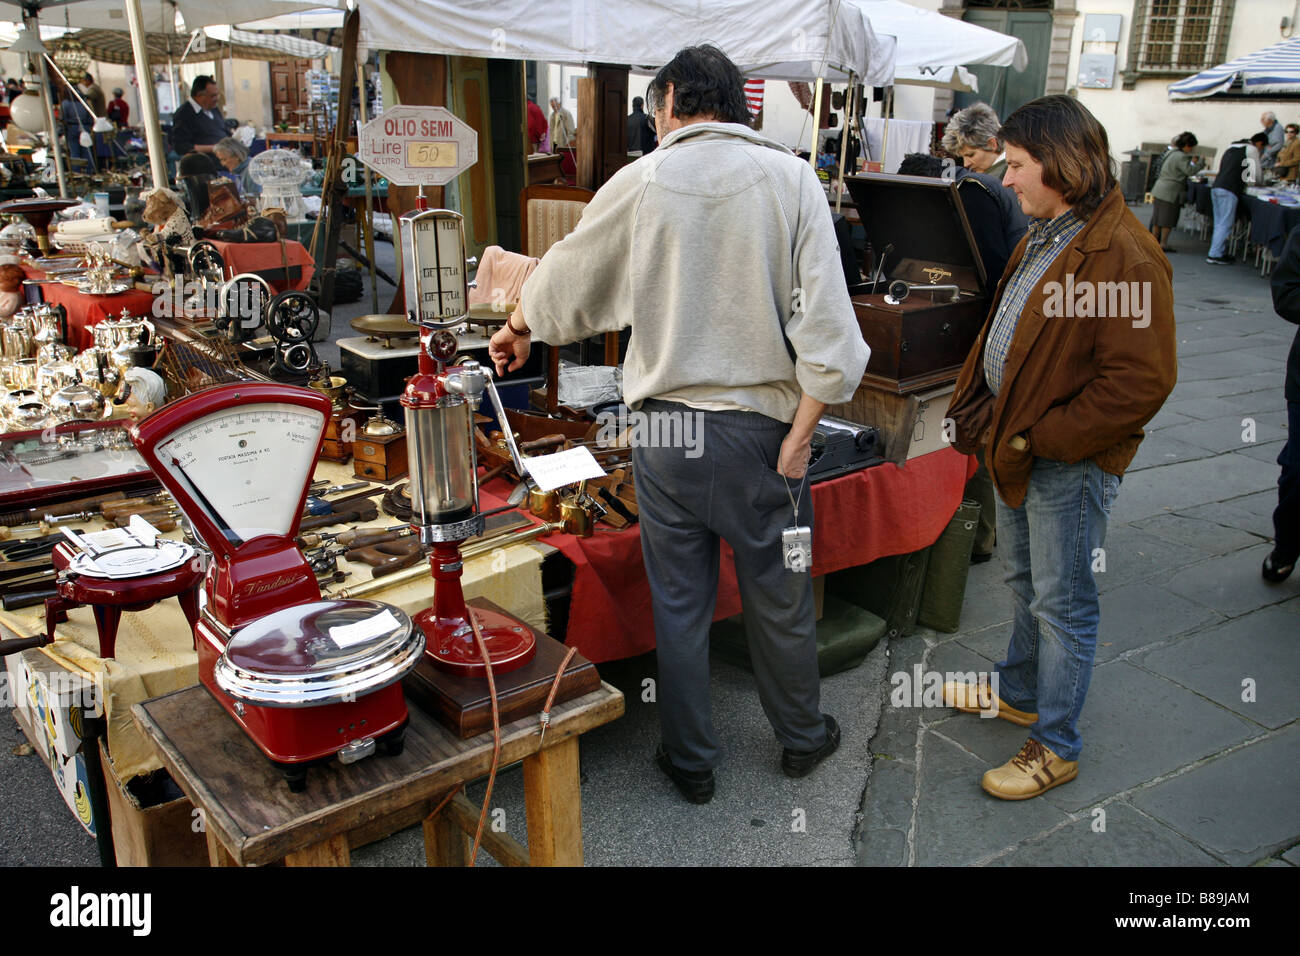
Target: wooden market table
<point>253,819</point>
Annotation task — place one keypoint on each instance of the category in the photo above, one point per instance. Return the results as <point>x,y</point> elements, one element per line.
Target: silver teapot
<point>79,402</point>
<point>11,400</point>
<point>54,376</point>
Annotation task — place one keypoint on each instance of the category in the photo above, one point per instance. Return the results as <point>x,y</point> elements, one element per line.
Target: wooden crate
<point>161,834</point>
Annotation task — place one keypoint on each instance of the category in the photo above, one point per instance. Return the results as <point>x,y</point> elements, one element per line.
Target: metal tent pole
<point>148,101</point>
<point>32,22</point>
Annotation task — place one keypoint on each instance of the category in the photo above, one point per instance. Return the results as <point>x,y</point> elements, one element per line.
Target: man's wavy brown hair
<point>1060,133</point>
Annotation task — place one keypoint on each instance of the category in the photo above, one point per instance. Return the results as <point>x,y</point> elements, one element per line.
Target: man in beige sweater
<point>718,252</point>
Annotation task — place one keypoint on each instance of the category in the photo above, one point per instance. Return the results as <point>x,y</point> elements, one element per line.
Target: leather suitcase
<point>945,577</point>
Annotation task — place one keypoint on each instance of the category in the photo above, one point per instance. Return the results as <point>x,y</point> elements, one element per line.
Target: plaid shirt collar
<point>1054,230</point>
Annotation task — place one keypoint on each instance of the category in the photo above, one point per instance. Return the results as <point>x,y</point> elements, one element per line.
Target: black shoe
<point>979,557</point>
<point>800,763</point>
<point>1220,260</point>
<point>1276,570</point>
<point>695,785</point>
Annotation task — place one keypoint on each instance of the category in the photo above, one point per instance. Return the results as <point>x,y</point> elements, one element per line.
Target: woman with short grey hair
<point>972,134</point>
<point>233,155</point>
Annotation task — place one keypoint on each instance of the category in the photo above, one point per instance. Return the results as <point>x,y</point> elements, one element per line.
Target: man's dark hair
<point>921,164</point>
<point>1060,133</point>
<point>705,83</point>
<point>200,84</point>
<point>1185,139</point>
<point>637,103</point>
<point>1259,138</point>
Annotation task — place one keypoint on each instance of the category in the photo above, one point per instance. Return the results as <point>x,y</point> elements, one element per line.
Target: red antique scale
<point>308,680</point>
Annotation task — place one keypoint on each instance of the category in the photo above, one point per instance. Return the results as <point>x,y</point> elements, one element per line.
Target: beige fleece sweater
<point>708,248</point>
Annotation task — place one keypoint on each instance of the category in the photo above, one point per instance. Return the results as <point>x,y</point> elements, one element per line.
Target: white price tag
<point>563,468</point>
<point>345,635</point>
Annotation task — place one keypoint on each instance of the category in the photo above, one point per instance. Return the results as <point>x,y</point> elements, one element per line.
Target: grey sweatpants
<point>730,491</point>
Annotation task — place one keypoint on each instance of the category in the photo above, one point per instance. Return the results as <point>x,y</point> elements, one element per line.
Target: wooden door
<point>288,90</point>
<point>470,101</point>
<point>1002,87</point>
<point>612,98</point>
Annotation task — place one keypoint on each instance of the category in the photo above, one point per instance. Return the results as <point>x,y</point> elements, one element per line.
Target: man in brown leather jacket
<point>1078,353</point>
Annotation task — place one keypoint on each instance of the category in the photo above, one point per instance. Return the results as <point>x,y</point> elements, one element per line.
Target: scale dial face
<point>245,467</point>
<point>433,260</point>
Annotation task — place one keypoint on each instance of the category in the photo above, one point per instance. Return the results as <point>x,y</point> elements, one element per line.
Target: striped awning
<point>1271,71</point>
<point>114,46</point>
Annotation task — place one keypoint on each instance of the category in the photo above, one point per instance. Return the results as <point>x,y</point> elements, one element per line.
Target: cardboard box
<point>49,703</point>
<point>154,824</point>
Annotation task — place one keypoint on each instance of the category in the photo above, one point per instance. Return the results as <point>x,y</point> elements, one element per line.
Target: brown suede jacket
<point>1090,363</point>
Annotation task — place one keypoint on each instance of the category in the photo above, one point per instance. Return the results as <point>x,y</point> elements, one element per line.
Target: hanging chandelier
<point>72,58</point>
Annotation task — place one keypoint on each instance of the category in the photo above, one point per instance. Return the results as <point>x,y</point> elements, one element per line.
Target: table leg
<point>218,855</point>
<point>553,799</point>
<point>333,852</point>
<point>445,843</point>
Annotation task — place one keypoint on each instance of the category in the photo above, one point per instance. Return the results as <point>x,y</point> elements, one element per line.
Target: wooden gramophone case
<point>923,341</point>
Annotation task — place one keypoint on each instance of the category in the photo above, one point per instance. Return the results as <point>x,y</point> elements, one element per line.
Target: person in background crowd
<point>1170,189</point>
<point>1288,161</point>
<point>537,128</point>
<point>77,124</point>
<point>640,139</point>
<point>1285,285</point>
<point>118,110</point>
<point>197,124</point>
<point>752,347</point>
<point>1273,130</point>
<point>232,155</point>
<point>92,94</point>
<point>1239,168</point>
<point>13,88</point>
<point>972,134</point>
<point>1059,404</point>
<point>563,129</point>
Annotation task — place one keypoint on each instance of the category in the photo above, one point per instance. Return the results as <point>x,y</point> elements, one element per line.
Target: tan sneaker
<point>978,698</point>
<point>1033,771</point>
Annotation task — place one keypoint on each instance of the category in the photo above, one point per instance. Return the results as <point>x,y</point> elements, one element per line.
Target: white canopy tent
<point>780,40</point>
<point>929,42</point>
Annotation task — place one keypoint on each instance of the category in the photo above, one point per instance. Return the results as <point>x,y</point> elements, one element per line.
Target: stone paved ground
<point>1180,767</point>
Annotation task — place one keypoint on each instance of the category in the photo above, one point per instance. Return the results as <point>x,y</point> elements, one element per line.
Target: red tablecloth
<point>87,310</point>
<point>267,260</point>
<point>858,518</point>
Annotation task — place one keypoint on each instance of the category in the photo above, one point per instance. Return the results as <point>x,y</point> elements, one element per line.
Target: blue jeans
<point>1225,217</point>
<point>1051,543</point>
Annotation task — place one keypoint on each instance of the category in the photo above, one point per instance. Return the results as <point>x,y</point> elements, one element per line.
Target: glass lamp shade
<point>28,111</point>
<point>72,58</point>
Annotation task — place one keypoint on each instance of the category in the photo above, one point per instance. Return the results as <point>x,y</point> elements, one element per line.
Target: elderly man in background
<point>232,155</point>
<point>1057,394</point>
<point>563,129</point>
<point>197,124</point>
<point>973,135</point>
<point>1273,129</point>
